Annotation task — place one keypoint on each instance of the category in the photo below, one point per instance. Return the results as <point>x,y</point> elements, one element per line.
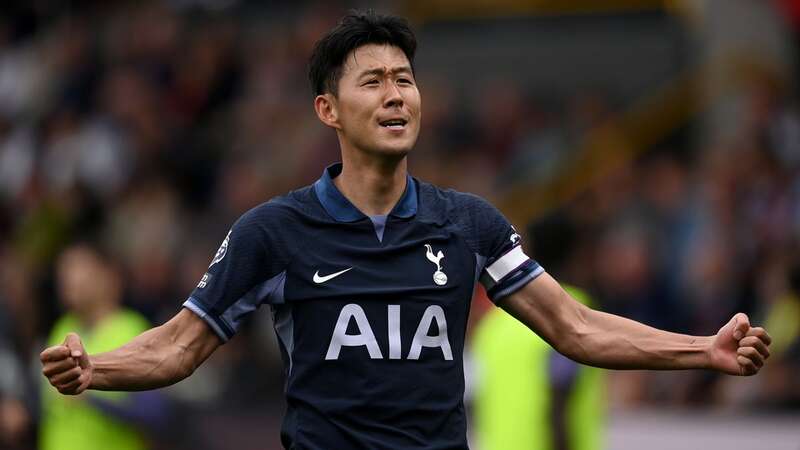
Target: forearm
<point>156,358</point>
<point>613,342</point>
<point>149,361</point>
<point>600,339</point>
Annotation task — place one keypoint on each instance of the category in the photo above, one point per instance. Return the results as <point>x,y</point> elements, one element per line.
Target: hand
<point>738,348</point>
<point>67,366</point>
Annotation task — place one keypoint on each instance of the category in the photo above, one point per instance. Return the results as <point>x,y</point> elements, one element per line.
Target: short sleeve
<point>506,268</point>
<point>247,271</point>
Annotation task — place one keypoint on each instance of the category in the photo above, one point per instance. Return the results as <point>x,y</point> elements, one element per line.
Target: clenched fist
<point>67,366</point>
<point>738,348</point>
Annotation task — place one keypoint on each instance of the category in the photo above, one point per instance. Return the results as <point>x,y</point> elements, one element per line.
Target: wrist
<point>94,379</point>
<point>706,345</point>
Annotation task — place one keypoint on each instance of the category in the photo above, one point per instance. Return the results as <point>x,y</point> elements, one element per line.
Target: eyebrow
<point>396,70</point>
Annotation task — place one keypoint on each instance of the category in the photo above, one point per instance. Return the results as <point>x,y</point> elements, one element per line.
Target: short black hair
<point>356,29</point>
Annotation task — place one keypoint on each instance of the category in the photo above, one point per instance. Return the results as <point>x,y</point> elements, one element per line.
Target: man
<point>369,274</point>
<point>527,395</point>
<point>90,289</point>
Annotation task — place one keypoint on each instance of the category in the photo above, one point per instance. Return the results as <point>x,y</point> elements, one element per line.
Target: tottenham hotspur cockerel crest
<point>439,277</point>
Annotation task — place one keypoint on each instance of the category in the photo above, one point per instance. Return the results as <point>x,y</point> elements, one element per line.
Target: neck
<point>373,185</point>
<point>93,316</point>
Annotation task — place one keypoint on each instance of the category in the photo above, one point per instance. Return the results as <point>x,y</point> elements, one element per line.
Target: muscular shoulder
<point>473,216</point>
<point>263,236</point>
<point>280,210</point>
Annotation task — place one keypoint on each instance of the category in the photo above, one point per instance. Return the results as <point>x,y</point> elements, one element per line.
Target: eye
<point>372,82</point>
<point>404,81</point>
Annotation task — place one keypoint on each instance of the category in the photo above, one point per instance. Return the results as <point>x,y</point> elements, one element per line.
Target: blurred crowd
<point>683,240</point>
<point>148,128</point>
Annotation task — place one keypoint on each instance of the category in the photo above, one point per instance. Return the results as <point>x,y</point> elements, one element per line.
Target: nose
<point>393,96</point>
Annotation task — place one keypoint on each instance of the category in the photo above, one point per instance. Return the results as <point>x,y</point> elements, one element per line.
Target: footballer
<point>369,274</point>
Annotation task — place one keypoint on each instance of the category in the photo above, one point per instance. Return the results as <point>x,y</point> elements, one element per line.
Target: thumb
<point>76,350</point>
<point>740,326</point>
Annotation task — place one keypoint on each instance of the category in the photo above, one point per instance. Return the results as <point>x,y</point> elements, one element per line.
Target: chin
<point>393,148</point>
<point>396,153</point>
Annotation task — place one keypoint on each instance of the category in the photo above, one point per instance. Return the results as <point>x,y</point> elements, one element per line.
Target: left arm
<point>604,340</point>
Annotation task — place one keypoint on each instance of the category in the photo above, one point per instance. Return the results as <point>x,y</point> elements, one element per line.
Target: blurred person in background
<point>18,320</point>
<point>780,388</point>
<point>16,417</point>
<point>368,214</point>
<point>90,289</point>
<point>529,396</point>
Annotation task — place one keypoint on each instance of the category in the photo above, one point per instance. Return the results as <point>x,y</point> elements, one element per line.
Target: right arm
<point>254,252</point>
<point>156,358</point>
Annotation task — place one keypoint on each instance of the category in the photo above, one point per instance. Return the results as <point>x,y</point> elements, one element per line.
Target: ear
<point>326,109</point>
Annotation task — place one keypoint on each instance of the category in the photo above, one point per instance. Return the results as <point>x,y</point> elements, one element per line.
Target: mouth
<point>394,124</point>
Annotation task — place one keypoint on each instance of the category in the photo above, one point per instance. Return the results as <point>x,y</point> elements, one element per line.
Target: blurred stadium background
<point>663,136</point>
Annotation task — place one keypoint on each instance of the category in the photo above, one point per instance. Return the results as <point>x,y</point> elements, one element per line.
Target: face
<point>82,280</point>
<point>377,109</point>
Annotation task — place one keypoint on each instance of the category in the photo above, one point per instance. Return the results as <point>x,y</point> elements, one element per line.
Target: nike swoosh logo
<point>321,279</point>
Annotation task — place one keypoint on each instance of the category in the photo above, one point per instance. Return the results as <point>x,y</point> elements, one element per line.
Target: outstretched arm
<point>156,358</point>
<point>605,340</point>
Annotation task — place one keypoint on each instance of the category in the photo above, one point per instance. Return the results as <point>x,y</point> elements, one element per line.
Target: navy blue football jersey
<point>370,312</point>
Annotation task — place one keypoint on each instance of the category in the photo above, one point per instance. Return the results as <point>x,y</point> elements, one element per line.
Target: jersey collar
<point>340,208</point>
